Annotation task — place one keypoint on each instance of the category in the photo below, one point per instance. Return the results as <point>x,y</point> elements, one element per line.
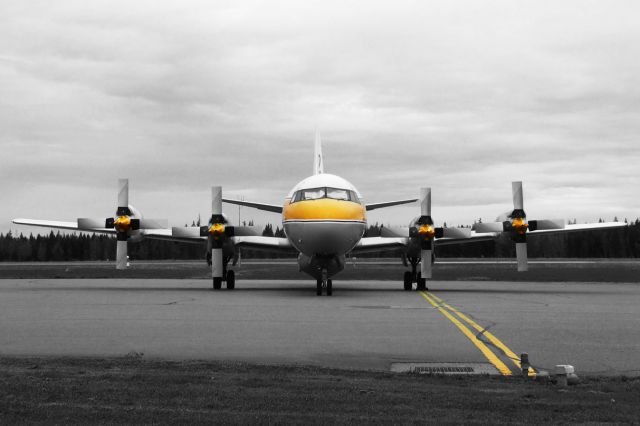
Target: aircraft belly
<point>324,237</point>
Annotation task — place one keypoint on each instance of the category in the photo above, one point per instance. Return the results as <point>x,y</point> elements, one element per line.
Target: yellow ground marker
<point>483,348</point>
<point>493,339</point>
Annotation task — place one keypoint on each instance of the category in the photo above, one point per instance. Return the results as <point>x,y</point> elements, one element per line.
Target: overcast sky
<point>178,96</point>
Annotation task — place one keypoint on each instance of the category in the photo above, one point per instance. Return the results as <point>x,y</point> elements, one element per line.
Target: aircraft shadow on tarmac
<point>308,291</point>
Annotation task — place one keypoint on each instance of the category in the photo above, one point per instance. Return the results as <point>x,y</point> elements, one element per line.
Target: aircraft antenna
<point>318,164</point>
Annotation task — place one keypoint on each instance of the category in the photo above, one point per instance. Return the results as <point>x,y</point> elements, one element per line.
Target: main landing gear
<point>413,276</point>
<point>230,278</point>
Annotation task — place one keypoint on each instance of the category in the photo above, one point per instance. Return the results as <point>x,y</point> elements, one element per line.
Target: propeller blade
<point>488,227</point>
<point>123,193</point>
<point>216,263</point>
<point>546,224</point>
<point>394,231</point>
<point>425,201</point>
<point>456,232</point>
<point>90,223</point>
<point>426,267</point>
<point>153,223</point>
<point>516,190</point>
<point>121,254</point>
<point>182,232</point>
<point>246,231</point>
<point>216,200</point>
<point>521,255</point>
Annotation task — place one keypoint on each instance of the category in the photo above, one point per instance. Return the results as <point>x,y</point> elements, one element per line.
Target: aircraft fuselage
<point>323,218</point>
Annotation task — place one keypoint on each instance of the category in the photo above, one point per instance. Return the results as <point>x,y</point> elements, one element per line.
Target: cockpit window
<point>318,193</point>
<point>313,194</point>
<point>309,194</point>
<point>338,194</point>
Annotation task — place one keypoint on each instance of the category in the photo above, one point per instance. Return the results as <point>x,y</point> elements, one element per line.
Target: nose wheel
<point>324,285</point>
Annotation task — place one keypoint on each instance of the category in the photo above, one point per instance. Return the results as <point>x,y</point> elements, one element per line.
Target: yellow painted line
<point>493,339</point>
<point>483,348</point>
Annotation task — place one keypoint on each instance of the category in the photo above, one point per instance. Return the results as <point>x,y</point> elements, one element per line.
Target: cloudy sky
<point>462,96</point>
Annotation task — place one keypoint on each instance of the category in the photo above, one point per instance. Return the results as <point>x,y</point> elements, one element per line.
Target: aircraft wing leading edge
<point>375,206</point>
<point>260,206</point>
<point>73,226</point>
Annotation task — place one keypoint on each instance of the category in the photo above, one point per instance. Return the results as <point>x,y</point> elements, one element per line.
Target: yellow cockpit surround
<point>324,208</point>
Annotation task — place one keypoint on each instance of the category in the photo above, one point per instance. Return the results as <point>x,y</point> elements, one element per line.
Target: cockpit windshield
<point>324,192</point>
<point>338,194</point>
<point>313,194</point>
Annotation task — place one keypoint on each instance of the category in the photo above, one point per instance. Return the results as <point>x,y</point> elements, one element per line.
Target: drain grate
<point>447,368</point>
<point>442,370</point>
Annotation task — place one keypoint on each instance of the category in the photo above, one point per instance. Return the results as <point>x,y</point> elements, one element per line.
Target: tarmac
<point>365,325</point>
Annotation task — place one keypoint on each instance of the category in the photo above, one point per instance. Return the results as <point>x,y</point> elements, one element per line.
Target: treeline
<point>620,243</point>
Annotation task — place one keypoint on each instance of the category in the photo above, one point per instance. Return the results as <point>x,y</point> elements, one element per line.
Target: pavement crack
<point>175,302</point>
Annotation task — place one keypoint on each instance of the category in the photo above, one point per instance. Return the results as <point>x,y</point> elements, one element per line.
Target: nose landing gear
<point>324,284</point>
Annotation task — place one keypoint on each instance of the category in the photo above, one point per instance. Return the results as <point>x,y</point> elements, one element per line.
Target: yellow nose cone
<point>427,232</point>
<point>122,223</point>
<point>216,230</point>
<point>520,225</point>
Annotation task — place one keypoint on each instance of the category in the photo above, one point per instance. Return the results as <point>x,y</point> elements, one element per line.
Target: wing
<point>94,225</point>
<point>61,225</point>
<point>581,227</point>
<point>548,227</point>
<point>446,235</point>
<point>269,244</point>
<point>260,206</point>
<point>377,244</point>
<point>375,206</point>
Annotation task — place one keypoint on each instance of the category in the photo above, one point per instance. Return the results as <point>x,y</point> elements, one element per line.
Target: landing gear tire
<point>421,283</point>
<point>231,280</point>
<point>408,281</point>
<point>329,287</point>
<point>217,283</point>
<point>319,287</point>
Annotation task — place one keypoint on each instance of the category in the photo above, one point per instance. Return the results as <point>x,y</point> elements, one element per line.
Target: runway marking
<point>502,368</point>
<point>483,331</point>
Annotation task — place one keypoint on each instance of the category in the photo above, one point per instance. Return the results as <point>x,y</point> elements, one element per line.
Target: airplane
<point>324,219</point>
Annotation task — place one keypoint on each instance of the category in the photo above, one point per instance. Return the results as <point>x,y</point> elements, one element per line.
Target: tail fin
<point>318,164</point>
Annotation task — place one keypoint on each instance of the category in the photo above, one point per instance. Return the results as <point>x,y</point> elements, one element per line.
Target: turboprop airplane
<point>324,219</point>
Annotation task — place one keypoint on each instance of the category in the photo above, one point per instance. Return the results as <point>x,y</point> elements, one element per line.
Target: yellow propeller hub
<point>122,223</point>
<point>520,225</point>
<point>427,232</point>
<point>216,230</point>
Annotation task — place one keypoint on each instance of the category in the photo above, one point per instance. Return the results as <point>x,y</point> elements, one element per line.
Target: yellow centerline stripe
<point>483,348</point>
<point>493,339</point>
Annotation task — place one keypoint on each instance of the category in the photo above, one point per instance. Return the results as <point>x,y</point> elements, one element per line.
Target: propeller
<point>123,223</point>
<point>422,234</point>
<point>426,233</point>
<point>216,231</point>
<point>517,226</point>
<point>126,222</point>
